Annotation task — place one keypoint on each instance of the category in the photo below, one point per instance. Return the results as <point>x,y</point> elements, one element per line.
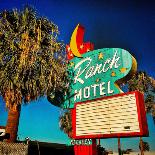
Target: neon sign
<point>98,73</point>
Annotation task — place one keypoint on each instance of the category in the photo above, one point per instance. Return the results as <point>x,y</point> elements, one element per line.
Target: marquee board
<point>121,115</point>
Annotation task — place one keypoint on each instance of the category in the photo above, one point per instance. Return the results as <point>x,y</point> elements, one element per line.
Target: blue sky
<point>126,24</point>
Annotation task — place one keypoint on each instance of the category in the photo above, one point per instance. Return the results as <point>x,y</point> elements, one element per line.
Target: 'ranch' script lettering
<point>90,71</point>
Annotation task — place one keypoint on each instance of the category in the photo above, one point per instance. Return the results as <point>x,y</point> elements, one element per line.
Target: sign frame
<point>141,119</point>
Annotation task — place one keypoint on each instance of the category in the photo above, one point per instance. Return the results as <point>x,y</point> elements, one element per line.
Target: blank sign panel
<point>120,115</point>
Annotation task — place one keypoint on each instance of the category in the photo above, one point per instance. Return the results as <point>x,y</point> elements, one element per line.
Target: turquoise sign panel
<point>96,73</point>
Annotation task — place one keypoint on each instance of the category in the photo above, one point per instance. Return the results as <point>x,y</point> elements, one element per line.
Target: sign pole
<point>119,146</point>
<point>99,142</point>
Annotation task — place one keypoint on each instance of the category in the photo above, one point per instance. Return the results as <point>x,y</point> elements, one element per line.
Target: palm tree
<point>65,123</point>
<point>31,61</point>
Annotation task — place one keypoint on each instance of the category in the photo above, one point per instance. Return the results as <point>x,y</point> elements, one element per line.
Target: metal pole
<point>38,147</point>
<point>99,142</point>
<point>119,146</point>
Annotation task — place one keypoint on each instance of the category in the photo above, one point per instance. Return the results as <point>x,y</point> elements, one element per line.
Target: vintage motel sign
<point>120,115</point>
<point>97,112</point>
<point>95,73</point>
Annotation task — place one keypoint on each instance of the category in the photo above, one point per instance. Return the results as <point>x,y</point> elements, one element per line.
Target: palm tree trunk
<point>12,123</point>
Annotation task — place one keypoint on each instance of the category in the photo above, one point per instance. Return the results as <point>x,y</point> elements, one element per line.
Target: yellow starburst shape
<point>123,70</point>
<point>113,74</point>
<point>81,46</point>
<point>97,80</point>
<point>100,56</point>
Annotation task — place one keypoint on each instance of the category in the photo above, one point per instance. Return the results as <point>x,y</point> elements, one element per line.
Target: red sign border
<point>141,118</point>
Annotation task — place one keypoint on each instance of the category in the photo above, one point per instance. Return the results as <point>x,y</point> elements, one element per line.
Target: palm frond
<point>31,56</point>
